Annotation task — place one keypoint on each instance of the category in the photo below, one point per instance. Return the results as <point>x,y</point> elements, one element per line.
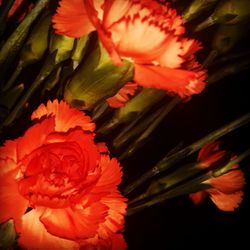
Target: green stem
<point>210,58</point>
<point>228,70</point>
<point>185,188</point>
<point>153,123</point>
<point>231,164</point>
<point>4,10</point>
<point>45,71</point>
<point>170,160</point>
<point>14,76</point>
<point>15,41</point>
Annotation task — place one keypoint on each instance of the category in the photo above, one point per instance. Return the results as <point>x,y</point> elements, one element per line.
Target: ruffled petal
<point>210,153</point>
<point>33,235</point>
<point>6,166</point>
<point>171,55</point>
<point>230,182</point>
<point>226,202</point>
<point>182,82</point>
<point>118,242</point>
<point>34,137</point>
<point>114,222</point>
<point>198,197</point>
<point>208,149</point>
<point>110,177</point>
<point>12,204</point>
<point>65,116</point>
<point>104,35</point>
<point>114,10</point>
<point>78,223</point>
<point>9,150</point>
<point>139,39</point>
<point>71,19</point>
<point>124,94</point>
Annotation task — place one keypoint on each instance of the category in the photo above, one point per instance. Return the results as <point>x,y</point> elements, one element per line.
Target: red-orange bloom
<point>143,31</point>
<point>59,186</point>
<point>226,190</point>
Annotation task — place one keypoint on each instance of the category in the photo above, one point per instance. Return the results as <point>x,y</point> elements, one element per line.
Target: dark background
<point>178,223</point>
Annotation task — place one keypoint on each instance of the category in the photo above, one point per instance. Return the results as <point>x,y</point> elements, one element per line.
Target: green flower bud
<point>37,43</point>
<point>96,79</point>
<point>196,8</point>
<point>62,45</point>
<point>227,12</point>
<point>227,36</point>
<point>79,50</point>
<point>7,235</point>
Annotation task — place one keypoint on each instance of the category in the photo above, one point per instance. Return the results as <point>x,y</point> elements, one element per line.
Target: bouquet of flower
<point>86,84</point>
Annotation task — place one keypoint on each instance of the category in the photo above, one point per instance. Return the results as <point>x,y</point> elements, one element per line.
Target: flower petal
<point>208,150</point>
<point>118,242</point>
<point>12,204</point>
<point>33,234</point>
<point>114,222</point>
<point>104,36</point>
<point>6,166</point>
<point>65,116</point>
<point>230,182</point>
<point>171,54</point>
<point>123,95</point>
<point>34,137</point>
<point>139,39</point>
<point>74,223</point>
<point>114,10</point>
<point>182,82</point>
<point>198,197</point>
<point>9,150</point>
<point>110,177</point>
<point>72,19</point>
<point>226,202</point>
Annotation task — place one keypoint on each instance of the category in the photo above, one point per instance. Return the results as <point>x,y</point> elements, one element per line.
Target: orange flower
<point>226,190</point>
<point>143,31</point>
<point>59,186</point>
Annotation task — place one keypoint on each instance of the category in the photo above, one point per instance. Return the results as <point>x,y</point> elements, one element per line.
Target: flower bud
<point>37,43</point>
<point>227,36</point>
<point>63,46</point>
<point>227,12</point>
<point>196,8</point>
<point>96,79</point>
<point>79,50</point>
<point>8,235</point>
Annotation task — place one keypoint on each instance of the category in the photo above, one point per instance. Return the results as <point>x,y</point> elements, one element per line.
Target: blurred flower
<point>59,186</point>
<point>14,7</point>
<point>145,32</point>
<point>226,189</point>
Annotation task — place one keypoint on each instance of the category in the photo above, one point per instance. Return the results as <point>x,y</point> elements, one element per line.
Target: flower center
<point>53,174</point>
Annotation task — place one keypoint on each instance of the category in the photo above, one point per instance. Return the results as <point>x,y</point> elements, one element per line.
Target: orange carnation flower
<point>226,190</point>
<point>145,32</point>
<point>59,186</point>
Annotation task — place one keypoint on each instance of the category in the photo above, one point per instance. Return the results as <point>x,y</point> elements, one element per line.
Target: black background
<point>178,223</point>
